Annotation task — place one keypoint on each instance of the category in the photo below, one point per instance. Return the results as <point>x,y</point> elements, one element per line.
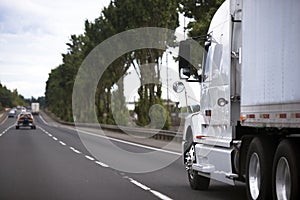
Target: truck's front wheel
<point>197,182</point>
<point>258,165</point>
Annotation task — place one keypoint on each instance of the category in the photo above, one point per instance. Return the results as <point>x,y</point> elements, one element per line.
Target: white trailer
<point>248,125</point>
<point>35,108</point>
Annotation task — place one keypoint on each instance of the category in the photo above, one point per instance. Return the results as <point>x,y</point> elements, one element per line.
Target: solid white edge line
<point>130,143</point>
<point>102,164</point>
<point>43,120</point>
<point>89,157</point>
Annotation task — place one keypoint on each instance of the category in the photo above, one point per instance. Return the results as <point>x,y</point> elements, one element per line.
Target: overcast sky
<point>33,34</point>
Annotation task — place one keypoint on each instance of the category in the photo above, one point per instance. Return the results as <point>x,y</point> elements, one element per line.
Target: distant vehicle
<point>23,109</point>
<point>35,108</point>
<point>25,119</point>
<point>12,113</point>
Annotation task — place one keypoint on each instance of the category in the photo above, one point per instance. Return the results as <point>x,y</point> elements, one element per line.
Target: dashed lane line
<point>5,131</point>
<point>101,164</point>
<point>89,157</point>
<point>131,180</point>
<point>75,150</point>
<point>146,188</point>
<point>160,195</point>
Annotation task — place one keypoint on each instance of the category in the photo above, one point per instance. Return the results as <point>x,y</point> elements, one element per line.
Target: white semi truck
<point>248,127</point>
<point>35,108</point>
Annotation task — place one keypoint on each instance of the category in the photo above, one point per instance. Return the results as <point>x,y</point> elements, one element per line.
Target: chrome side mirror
<point>178,86</point>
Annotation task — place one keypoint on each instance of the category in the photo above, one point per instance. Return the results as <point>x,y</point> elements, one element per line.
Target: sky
<point>33,34</point>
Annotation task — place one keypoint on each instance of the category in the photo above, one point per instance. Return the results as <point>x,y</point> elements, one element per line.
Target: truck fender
<point>193,126</point>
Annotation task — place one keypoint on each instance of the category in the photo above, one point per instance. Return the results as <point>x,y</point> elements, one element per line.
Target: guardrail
<point>144,132</point>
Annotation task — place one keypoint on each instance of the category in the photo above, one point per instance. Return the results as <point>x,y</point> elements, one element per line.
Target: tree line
<point>9,99</point>
<point>119,16</point>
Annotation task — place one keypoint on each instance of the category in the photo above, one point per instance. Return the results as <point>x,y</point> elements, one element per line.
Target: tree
<point>125,15</point>
<point>202,12</point>
<point>119,16</point>
<point>9,99</point>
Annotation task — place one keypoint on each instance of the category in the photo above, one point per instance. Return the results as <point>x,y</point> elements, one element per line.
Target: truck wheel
<point>17,127</point>
<point>258,164</point>
<point>286,171</point>
<point>197,182</point>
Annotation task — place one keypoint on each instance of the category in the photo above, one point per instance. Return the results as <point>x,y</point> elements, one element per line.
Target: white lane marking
<point>7,129</point>
<point>130,143</point>
<point>43,120</point>
<point>101,164</point>
<point>54,138</point>
<point>62,143</point>
<point>160,195</point>
<point>49,135</point>
<point>90,158</point>
<point>146,188</point>
<point>75,150</point>
<point>138,184</point>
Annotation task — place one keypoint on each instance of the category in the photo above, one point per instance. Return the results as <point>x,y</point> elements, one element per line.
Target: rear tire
<point>286,171</point>
<point>17,127</point>
<point>258,168</point>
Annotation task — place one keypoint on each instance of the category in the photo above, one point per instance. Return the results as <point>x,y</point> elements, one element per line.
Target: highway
<point>52,162</point>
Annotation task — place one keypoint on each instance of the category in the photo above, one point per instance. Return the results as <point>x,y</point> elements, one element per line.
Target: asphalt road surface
<point>51,162</point>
